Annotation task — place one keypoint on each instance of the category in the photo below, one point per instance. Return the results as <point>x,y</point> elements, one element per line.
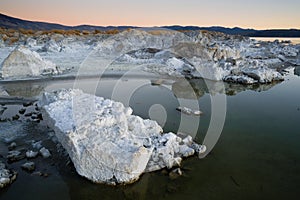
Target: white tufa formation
<point>108,144</point>
<point>22,63</point>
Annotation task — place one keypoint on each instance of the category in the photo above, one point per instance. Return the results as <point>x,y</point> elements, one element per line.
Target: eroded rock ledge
<point>106,143</point>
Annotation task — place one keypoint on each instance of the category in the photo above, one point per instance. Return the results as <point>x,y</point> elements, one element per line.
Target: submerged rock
<point>22,63</point>
<point>106,143</point>
<point>12,146</point>
<point>37,145</point>
<point>28,166</point>
<point>14,156</point>
<point>174,174</point>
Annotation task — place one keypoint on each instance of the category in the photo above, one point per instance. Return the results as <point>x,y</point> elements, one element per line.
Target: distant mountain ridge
<point>15,23</point>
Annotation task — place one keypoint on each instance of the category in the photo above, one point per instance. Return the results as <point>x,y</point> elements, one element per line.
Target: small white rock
<point>31,154</point>
<point>45,152</point>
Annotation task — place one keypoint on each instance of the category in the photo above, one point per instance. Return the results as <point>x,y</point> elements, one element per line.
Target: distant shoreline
<point>293,40</point>
<point>8,22</point>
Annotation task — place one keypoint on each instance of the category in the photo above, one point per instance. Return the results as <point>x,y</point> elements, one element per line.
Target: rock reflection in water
<point>196,88</point>
<point>297,70</point>
<point>234,89</point>
<point>24,89</point>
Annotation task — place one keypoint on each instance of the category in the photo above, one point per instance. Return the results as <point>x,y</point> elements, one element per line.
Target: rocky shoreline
<point>193,54</point>
<point>126,145</point>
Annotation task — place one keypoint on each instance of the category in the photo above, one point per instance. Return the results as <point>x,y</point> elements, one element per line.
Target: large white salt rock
<point>106,143</point>
<point>23,62</point>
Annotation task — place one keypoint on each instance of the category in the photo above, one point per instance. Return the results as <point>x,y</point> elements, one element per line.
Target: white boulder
<point>22,63</point>
<point>106,143</point>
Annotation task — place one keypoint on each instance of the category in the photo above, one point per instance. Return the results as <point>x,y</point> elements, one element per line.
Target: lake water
<point>271,39</point>
<point>257,154</point>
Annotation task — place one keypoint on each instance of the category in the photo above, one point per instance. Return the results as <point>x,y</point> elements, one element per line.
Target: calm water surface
<point>271,39</point>
<point>256,157</point>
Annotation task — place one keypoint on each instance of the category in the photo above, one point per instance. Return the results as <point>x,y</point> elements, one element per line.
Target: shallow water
<point>272,39</point>
<point>257,155</point>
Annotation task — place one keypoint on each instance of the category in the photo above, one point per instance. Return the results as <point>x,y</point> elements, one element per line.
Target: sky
<point>258,14</point>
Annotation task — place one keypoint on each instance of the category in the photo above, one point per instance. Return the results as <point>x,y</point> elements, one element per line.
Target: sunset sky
<point>258,14</point>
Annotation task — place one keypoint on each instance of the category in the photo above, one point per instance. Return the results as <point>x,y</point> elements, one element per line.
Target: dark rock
<point>14,156</point>
<point>12,146</point>
<point>174,174</point>
<point>26,104</point>
<point>41,174</point>
<point>16,117</point>
<point>22,111</point>
<point>28,114</point>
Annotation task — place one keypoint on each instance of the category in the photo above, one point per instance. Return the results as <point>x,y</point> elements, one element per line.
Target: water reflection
<point>259,148</point>
<point>297,70</point>
<point>234,89</point>
<point>196,88</point>
<point>24,88</point>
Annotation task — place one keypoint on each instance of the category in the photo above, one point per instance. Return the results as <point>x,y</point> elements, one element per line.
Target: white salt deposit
<point>209,55</point>
<point>105,141</point>
<point>23,62</point>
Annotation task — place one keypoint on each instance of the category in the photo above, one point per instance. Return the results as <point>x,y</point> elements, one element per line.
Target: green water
<point>257,155</point>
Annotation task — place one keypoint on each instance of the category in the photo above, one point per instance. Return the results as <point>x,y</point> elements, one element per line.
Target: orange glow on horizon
<point>240,13</point>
